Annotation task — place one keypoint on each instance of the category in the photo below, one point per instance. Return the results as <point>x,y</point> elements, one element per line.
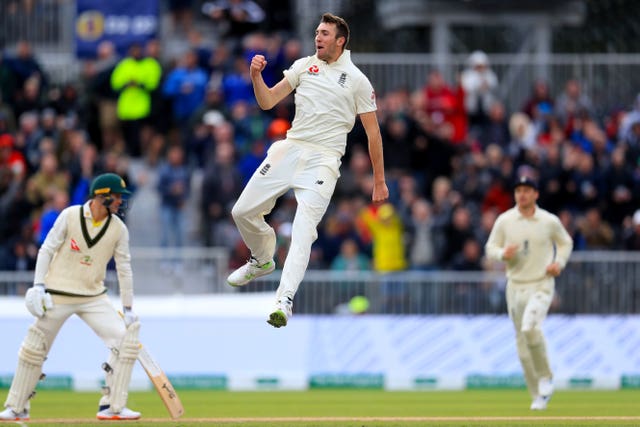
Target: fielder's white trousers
<point>528,305</point>
<point>312,174</point>
<point>98,313</point>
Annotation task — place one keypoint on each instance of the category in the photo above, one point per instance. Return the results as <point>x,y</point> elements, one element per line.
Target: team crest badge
<point>74,246</point>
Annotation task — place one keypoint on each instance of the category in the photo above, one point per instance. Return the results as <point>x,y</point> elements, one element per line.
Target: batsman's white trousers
<point>97,312</point>
<point>312,173</point>
<point>528,305</point>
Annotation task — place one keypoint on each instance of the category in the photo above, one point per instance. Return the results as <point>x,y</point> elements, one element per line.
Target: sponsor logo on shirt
<point>313,70</point>
<point>86,260</point>
<point>343,79</point>
<point>265,169</point>
<point>74,246</point>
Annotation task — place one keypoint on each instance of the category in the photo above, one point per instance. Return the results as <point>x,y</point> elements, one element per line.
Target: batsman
<point>69,279</point>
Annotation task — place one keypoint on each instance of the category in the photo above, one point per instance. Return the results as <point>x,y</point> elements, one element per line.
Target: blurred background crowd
<point>182,123</point>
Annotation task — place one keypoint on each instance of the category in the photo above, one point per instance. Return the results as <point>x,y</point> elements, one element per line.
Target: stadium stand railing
<point>598,282</point>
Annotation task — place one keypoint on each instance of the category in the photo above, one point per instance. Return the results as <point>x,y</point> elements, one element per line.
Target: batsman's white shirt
<point>328,97</point>
<point>67,263</point>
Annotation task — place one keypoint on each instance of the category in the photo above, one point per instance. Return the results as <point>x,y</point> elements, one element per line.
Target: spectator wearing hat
<point>480,85</point>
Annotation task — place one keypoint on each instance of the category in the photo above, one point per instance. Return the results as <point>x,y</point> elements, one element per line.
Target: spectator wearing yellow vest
<point>134,78</point>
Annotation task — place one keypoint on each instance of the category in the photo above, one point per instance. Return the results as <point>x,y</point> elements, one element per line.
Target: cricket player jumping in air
<point>69,279</point>
<point>535,247</point>
<point>330,92</point>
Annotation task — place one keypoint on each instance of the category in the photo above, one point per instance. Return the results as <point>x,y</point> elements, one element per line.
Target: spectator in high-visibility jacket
<point>386,232</point>
<point>385,228</point>
<point>134,78</point>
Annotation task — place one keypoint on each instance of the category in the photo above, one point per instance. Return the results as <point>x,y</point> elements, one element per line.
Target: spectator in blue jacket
<point>174,182</point>
<point>186,86</point>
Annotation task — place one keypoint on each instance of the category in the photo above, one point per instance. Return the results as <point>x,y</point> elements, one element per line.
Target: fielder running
<point>330,92</point>
<point>535,247</point>
<point>69,279</point>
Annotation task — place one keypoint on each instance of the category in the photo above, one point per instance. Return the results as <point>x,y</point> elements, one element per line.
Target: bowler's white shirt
<point>328,97</point>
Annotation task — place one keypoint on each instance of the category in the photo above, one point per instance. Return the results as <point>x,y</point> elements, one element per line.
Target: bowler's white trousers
<point>312,173</point>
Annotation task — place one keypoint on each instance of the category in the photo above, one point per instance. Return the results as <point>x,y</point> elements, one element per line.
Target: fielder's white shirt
<point>541,240</point>
<point>328,97</point>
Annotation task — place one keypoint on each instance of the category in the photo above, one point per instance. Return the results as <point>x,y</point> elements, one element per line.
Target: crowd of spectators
<point>452,151</point>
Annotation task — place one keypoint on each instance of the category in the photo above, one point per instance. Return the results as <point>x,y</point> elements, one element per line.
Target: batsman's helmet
<point>108,183</point>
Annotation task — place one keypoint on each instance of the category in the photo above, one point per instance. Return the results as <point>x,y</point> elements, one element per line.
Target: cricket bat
<point>161,383</point>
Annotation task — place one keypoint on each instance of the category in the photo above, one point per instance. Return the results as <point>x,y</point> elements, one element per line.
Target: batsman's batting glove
<point>37,300</point>
<point>129,316</point>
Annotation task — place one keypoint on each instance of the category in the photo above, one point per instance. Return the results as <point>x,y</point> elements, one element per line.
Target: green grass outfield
<point>351,408</point>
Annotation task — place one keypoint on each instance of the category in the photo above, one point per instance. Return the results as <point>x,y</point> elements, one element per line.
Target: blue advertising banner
<point>123,22</point>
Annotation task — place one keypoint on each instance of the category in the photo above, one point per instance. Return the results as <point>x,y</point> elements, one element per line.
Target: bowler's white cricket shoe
<point>126,414</point>
<point>540,403</point>
<point>11,415</point>
<point>281,313</point>
<point>250,271</point>
<point>545,387</point>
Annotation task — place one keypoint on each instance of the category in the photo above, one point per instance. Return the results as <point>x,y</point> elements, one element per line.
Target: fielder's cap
<point>526,180</point>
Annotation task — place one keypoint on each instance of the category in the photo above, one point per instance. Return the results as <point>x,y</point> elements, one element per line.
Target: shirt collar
<point>536,214</point>
<point>87,210</point>
<point>344,58</point>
